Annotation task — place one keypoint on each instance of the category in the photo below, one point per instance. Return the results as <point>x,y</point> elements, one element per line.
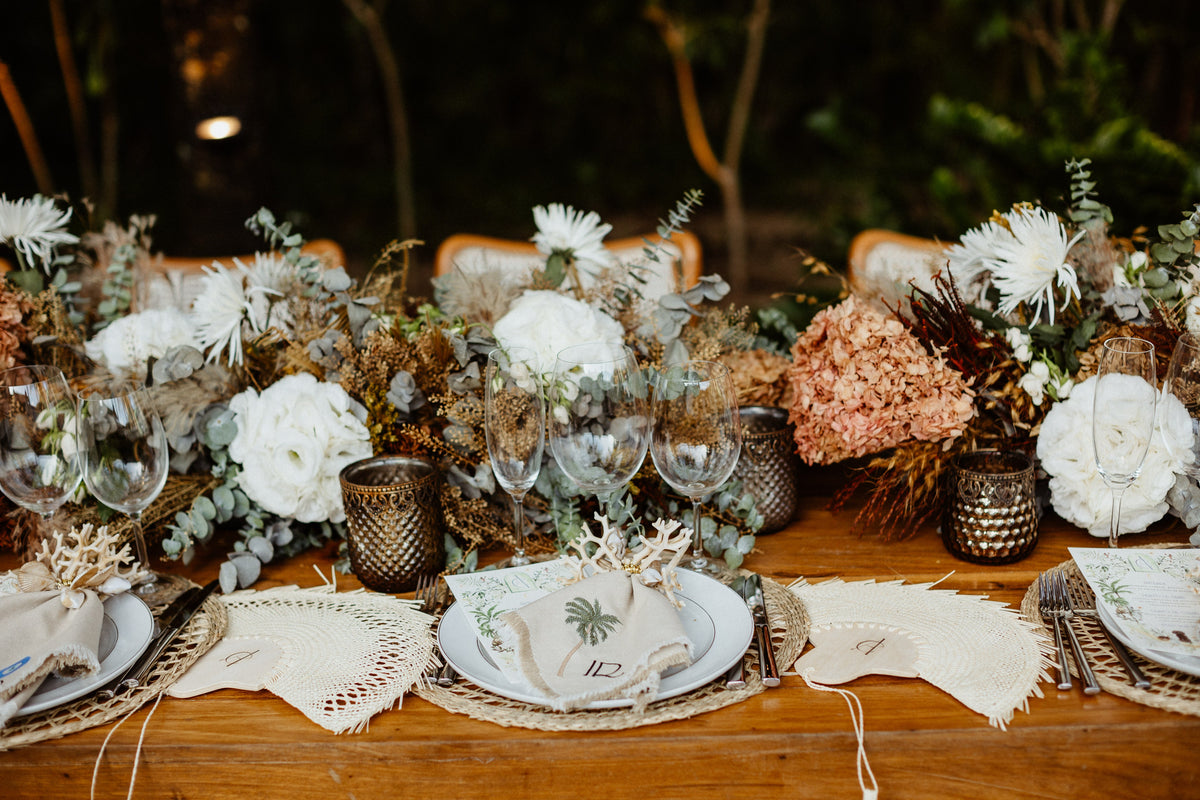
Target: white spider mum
<point>575,234</point>
<point>968,260</point>
<point>34,227</point>
<point>1031,259</point>
<point>220,309</point>
<point>267,282</point>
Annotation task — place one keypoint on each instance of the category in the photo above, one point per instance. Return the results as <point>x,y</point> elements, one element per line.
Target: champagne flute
<point>125,458</point>
<point>39,467</point>
<point>599,416</point>
<point>1123,417</point>
<point>515,425</point>
<point>1183,381</point>
<point>697,435</point>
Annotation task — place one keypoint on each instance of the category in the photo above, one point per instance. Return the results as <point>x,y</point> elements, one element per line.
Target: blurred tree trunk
<point>725,171</point>
<point>75,104</point>
<point>389,71</point>
<point>24,126</point>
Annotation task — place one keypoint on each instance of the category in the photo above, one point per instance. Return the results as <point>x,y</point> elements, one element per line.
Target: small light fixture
<point>218,128</point>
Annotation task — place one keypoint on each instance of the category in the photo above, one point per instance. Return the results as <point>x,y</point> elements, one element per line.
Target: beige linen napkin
<point>606,637</point>
<point>40,635</point>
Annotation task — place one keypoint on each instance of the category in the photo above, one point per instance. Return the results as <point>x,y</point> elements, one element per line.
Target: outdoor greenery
<point>919,116</point>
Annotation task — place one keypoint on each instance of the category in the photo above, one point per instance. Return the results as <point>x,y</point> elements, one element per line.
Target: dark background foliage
<point>916,115</point>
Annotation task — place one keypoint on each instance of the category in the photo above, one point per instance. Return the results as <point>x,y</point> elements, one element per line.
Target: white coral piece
<point>82,558</point>
<point>645,561</point>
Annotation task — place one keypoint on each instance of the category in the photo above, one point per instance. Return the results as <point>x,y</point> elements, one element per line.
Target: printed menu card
<point>488,594</point>
<point>1153,595</point>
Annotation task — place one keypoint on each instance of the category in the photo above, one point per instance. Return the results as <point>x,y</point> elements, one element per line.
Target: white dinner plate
<point>124,635</point>
<point>1183,663</point>
<point>713,615</point>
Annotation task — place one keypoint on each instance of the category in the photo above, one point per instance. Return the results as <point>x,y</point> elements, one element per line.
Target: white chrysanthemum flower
<point>1078,492</point>
<point>219,311</point>
<point>1031,260</point>
<point>967,260</point>
<point>34,227</point>
<point>579,235</point>
<point>267,283</point>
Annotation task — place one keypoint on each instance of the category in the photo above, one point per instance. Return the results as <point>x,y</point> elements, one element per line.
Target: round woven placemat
<point>1169,689</point>
<point>202,631</point>
<point>789,632</point>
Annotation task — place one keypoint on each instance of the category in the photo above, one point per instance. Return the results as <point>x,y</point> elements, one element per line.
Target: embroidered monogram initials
<point>604,669</point>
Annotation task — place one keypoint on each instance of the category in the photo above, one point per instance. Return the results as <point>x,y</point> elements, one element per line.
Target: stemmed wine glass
<point>1123,416</point>
<point>599,416</point>
<point>515,428</point>
<point>1183,381</point>
<point>697,435</point>
<point>39,468</point>
<point>125,458</point>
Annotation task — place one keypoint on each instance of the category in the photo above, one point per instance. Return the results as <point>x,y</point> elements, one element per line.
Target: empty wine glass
<point>125,458</point>
<point>39,468</point>
<point>515,428</point>
<point>599,420</point>
<point>1123,417</point>
<point>697,435</point>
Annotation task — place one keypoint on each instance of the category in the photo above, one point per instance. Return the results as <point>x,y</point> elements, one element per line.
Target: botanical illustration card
<point>1154,595</point>
<point>486,595</point>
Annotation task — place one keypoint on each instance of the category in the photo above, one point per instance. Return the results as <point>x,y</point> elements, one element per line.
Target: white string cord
<point>858,720</point>
<point>137,754</point>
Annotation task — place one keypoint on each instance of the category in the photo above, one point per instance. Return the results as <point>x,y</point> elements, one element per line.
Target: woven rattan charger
<point>202,631</point>
<point>789,632</point>
<point>1169,689</point>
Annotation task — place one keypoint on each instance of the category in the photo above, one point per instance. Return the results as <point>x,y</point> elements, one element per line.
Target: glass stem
<point>1114,524</point>
<point>519,526</point>
<point>697,539</point>
<point>143,553</point>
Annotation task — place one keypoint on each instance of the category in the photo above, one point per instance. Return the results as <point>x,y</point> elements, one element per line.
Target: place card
<point>1153,595</point>
<point>488,594</point>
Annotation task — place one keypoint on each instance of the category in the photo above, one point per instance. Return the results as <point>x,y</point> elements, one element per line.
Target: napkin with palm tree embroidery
<point>606,637</point>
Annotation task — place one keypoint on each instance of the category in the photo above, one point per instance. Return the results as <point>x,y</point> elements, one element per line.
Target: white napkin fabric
<point>606,637</point>
<point>40,635</point>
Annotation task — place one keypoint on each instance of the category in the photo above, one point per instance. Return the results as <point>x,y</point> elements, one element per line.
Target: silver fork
<point>1045,605</point>
<point>1060,607</point>
<point>1083,603</point>
<point>426,592</point>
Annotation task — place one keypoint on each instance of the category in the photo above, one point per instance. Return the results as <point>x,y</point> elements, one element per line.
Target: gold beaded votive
<point>393,521</point>
<point>991,516</point>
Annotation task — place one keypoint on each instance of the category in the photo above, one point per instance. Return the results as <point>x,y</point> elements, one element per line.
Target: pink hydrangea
<point>862,383</point>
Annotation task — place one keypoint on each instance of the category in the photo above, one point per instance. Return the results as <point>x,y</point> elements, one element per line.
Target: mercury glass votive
<point>991,515</point>
<point>393,521</point>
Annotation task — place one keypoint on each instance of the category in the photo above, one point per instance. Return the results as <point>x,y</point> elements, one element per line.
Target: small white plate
<point>714,617</point>
<point>1188,664</point>
<point>124,635</point>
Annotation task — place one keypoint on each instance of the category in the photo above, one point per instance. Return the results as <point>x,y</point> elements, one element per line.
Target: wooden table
<point>787,742</point>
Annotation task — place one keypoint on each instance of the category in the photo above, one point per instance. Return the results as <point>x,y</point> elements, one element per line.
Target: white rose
<point>1078,493</point>
<point>292,441</point>
<point>547,322</point>
<point>129,342</point>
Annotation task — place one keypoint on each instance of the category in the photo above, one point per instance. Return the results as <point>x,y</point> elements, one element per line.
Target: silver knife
<point>767,667</point>
<point>735,677</point>
<point>174,619</point>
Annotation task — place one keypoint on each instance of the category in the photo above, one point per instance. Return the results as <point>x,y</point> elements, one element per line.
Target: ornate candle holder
<point>991,516</point>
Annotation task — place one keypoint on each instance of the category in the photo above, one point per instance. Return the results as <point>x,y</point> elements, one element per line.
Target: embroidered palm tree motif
<point>591,623</point>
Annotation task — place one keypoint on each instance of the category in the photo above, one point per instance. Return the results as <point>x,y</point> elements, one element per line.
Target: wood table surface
<point>786,742</point>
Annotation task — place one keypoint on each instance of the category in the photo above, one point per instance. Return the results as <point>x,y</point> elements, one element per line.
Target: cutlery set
<point>1060,601</point>
<point>170,623</point>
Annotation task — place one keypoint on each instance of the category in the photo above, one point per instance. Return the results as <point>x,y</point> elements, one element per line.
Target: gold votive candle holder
<point>991,515</point>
